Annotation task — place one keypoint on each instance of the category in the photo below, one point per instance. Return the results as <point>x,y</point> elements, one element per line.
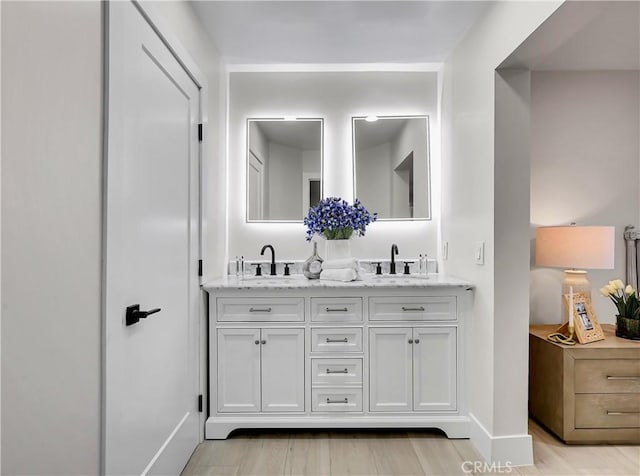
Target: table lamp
<point>575,248</point>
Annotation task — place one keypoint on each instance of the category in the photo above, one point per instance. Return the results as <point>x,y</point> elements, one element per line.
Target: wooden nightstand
<point>585,393</point>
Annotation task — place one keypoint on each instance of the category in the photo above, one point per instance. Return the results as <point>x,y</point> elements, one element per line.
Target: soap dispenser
<point>313,266</point>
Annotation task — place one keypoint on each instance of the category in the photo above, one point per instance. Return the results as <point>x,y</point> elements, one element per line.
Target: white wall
<point>51,236</point>
<point>373,172</point>
<point>285,181</point>
<point>311,161</point>
<point>511,258</point>
<point>336,97</point>
<point>260,148</point>
<point>0,235</point>
<point>584,168</point>
<point>411,138</point>
<point>259,144</point>
<point>469,215</point>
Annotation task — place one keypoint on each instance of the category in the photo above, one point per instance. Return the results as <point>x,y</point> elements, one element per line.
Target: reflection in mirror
<point>284,168</point>
<point>391,166</point>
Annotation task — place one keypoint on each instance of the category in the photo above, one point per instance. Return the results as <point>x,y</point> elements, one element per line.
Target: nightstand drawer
<point>607,376</point>
<point>614,410</point>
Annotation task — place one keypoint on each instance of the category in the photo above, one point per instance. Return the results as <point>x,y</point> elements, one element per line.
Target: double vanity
<point>383,352</point>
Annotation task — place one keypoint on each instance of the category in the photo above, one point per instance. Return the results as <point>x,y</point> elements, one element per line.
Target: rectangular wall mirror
<point>284,168</point>
<point>391,166</point>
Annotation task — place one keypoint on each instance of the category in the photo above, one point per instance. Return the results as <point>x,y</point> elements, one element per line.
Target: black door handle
<point>134,314</point>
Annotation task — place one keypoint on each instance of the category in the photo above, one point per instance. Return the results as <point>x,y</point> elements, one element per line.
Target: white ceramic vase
<point>338,249</point>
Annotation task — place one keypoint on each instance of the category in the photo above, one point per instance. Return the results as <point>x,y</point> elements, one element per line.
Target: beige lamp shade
<point>577,247</point>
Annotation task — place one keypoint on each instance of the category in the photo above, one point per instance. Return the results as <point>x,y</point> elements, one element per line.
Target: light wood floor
<point>395,453</point>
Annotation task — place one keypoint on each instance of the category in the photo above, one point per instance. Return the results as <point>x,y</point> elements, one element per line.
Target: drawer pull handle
<point>625,377</point>
<point>345,371</point>
<point>412,309</point>
<point>340,309</point>
<point>330,341</point>
<point>259,309</point>
<point>622,413</point>
<point>346,400</point>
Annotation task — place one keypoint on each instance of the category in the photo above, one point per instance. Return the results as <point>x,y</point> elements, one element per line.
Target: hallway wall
<point>585,163</point>
<point>51,236</point>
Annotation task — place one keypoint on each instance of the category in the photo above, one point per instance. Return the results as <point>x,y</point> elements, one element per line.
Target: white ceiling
<point>583,36</point>
<point>372,134</point>
<point>262,32</point>
<point>303,135</point>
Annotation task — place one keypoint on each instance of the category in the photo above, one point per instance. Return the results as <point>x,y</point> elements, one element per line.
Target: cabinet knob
<point>410,341</point>
<point>263,342</point>
<point>417,341</point>
<point>257,342</point>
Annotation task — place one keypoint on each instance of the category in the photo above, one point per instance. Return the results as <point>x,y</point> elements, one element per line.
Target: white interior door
<point>256,187</point>
<point>390,375</point>
<point>151,367</point>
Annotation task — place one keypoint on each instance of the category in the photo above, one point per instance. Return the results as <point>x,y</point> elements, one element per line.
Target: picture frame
<point>586,326</point>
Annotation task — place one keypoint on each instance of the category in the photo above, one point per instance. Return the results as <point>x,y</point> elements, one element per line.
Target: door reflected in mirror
<point>284,168</point>
<point>391,166</point>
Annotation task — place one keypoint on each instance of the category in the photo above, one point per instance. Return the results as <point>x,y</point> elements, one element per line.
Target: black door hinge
<point>200,267</point>
<point>200,132</point>
<point>200,400</point>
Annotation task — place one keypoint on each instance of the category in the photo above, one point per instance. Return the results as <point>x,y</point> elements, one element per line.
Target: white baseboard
<point>510,450</point>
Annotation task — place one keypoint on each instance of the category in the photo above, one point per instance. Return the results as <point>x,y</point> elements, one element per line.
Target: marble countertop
<point>368,281</point>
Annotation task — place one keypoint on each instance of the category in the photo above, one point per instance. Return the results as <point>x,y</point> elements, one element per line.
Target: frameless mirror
<point>284,168</point>
<point>391,166</point>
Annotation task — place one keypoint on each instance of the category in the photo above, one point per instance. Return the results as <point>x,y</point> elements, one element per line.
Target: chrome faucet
<point>392,266</point>
<point>273,258</point>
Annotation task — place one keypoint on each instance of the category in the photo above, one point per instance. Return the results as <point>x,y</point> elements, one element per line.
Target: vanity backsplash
<point>295,266</point>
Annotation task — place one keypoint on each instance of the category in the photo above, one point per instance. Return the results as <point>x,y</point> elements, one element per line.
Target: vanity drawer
<point>336,340</point>
<point>336,400</point>
<point>260,309</point>
<point>607,376</point>
<point>336,309</point>
<point>336,372</point>
<point>621,410</point>
<point>442,308</point>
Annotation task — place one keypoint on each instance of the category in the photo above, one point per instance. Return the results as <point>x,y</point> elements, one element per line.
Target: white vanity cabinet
<point>260,370</point>
<point>378,353</point>
<point>412,368</point>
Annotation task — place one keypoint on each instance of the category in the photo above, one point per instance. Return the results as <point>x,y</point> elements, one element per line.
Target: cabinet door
<point>390,375</point>
<point>238,370</point>
<point>283,370</point>
<point>434,368</point>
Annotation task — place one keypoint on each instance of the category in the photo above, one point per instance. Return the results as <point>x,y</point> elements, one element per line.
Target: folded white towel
<point>345,275</point>
<point>340,263</point>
